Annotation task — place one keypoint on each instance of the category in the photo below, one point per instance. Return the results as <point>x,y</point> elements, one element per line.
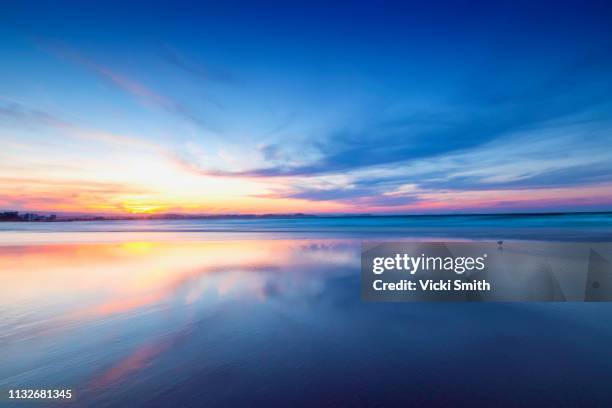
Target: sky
<point>283,107</point>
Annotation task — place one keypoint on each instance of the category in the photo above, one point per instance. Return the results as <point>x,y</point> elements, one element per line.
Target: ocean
<point>267,312</point>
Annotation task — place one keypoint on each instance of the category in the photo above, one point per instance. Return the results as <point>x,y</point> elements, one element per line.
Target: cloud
<point>498,136</point>
<point>499,132</point>
<point>16,114</point>
<point>571,155</point>
<point>136,89</point>
<point>497,104</point>
<point>65,194</point>
<point>148,96</point>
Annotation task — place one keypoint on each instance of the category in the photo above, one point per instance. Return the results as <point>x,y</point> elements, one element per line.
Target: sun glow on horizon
<point>143,208</point>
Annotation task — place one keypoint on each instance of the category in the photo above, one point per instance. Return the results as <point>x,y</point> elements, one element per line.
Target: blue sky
<point>352,107</point>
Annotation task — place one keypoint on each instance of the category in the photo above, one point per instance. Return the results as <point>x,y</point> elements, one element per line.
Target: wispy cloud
<point>136,89</point>
<point>16,114</point>
<point>486,110</point>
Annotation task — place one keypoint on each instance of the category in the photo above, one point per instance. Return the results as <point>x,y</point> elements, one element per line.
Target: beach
<point>250,313</point>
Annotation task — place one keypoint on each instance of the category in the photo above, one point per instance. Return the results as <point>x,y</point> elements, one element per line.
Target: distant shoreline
<point>29,217</point>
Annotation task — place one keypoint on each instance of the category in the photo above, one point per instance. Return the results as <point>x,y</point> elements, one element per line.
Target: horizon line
<point>170,215</point>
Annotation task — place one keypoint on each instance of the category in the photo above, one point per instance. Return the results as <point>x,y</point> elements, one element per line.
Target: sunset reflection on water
<point>134,300</point>
<point>94,281</point>
<point>268,321</point>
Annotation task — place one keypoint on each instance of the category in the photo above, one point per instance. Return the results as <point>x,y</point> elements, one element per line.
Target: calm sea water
<point>268,312</point>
